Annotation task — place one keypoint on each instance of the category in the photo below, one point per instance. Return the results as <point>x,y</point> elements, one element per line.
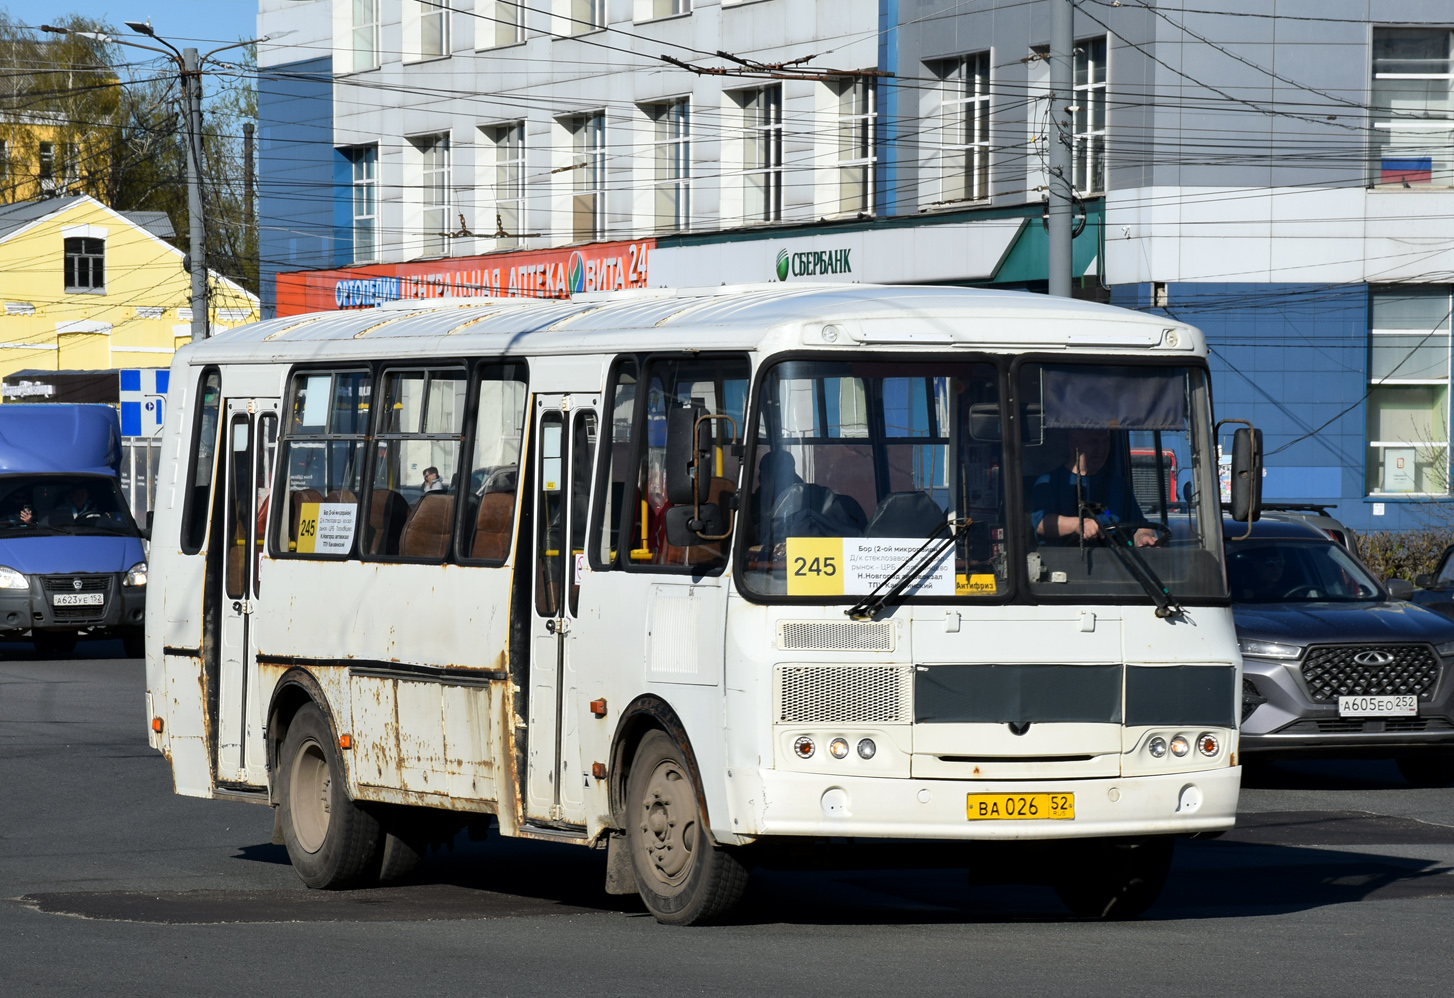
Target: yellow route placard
<point>815,566</point>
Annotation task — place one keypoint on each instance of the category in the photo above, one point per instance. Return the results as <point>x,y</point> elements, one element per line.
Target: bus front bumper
<point>809,804</point>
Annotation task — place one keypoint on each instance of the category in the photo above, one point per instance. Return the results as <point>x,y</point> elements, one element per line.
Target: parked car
<point>1316,515</point>
<point>1436,589</point>
<point>1332,663</point>
<point>71,557</point>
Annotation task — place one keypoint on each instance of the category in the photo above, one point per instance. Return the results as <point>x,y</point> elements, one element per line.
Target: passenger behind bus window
<point>1090,476</point>
<point>17,511</point>
<point>432,482</point>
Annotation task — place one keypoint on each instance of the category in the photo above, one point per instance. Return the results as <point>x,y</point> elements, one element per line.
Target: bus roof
<point>765,317</point>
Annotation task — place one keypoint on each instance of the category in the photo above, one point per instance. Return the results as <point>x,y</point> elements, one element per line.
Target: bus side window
<point>488,523</point>
<point>616,468</point>
<point>417,465</point>
<point>719,384</point>
<point>325,426</point>
<point>204,451</point>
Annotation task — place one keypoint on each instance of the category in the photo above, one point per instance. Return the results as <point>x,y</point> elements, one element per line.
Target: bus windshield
<point>62,504</point>
<point>858,463</point>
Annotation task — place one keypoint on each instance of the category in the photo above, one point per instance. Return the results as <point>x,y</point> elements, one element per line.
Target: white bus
<point>686,574</point>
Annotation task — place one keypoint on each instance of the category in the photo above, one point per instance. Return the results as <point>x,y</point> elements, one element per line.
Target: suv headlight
<point>11,579</point>
<point>135,575</point>
<point>1446,649</point>
<point>1269,649</point>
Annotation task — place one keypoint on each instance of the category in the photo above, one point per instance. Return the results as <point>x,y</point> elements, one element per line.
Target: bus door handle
<point>242,606</point>
<point>558,625</point>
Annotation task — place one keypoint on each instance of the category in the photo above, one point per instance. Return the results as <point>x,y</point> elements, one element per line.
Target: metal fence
<point>140,459</point>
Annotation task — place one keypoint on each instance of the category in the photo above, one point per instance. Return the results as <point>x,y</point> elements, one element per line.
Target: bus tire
<point>682,876</point>
<point>1114,879</point>
<point>333,842</point>
<point>406,842</point>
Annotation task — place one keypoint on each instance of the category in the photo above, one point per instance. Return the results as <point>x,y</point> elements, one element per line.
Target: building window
<point>588,168</point>
<point>365,34</point>
<point>1408,396</point>
<point>1090,116</point>
<point>587,15</point>
<point>509,141</point>
<point>433,28</point>
<point>85,265</point>
<point>964,128</point>
<point>364,161</point>
<point>1413,106</point>
<point>762,154</point>
<point>856,146</point>
<point>672,155</point>
<point>434,189</point>
<point>647,10</point>
<point>504,23</point>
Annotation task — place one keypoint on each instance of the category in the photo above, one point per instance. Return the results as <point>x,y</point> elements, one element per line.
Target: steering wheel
<point>1160,529</point>
<point>1299,591</point>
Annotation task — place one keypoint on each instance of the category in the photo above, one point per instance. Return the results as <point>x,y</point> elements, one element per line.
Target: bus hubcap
<point>669,823</point>
<point>310,787</point>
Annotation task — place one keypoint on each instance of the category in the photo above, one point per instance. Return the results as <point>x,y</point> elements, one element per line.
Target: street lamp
<point>190,67</point>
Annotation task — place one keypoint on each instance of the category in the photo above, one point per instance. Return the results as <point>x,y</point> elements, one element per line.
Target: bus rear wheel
<point>332,842</point>
<point>682,876</point>
<point>1114,878</point>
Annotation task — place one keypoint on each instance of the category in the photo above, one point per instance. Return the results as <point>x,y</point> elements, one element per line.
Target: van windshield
<point>63,504</point>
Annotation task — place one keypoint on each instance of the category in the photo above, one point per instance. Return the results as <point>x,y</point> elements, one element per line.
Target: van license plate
<point>1406,705</point>
<point>1021,807</point>
<point>78,599</point>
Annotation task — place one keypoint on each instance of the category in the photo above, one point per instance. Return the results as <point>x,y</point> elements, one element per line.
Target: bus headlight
<point>804,747</point>
<point>866,748</point>
<point>1157,747</point>
<point>11,579</point>
<point>838,748</point>
<point>136,575</point>
<point>1208,744</point>
<point>1180,746</point>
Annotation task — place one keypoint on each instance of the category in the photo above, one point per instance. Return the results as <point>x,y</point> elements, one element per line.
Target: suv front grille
<point>1330,672</point>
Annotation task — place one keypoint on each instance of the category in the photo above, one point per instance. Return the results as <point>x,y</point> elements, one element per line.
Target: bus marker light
<point>345,741</point>
<point>1180,746</point>
<point>1207,744</point>
<point>598,770</point>
<point>1157,747</point>
<point>156,724</point>
<point>866,748</point>
<point>598,707</point>
<point>804,747</point>
<point>838,748</point>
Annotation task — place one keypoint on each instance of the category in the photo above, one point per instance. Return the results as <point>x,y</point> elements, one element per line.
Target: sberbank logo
<point>813,263</point>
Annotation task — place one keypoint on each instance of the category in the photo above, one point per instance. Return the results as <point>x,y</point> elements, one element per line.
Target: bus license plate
<point>1387,706</point>
<point>78,599</point>
<point>1021,807</point>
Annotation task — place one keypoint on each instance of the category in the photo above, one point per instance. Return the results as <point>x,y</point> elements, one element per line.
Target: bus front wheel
<point>333,843</point>
<point>1114,878</point>
<point>681,875</point>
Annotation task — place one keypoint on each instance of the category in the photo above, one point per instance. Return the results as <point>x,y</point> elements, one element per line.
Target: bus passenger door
<point>564,452</point>
<point>250,442</point>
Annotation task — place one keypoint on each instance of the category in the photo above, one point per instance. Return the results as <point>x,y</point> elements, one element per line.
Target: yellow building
<point>85,287</point>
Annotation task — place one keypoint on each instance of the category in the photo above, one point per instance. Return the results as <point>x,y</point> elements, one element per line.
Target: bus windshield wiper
<point>907,572</point>
<point>1124,548</point>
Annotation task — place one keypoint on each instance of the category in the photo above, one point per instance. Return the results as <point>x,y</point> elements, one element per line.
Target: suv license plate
<point>1021,807</point>
<point>78,599</point>
<point>1395,706</point>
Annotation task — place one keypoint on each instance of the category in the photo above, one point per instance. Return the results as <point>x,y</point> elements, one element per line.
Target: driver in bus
<point>1086,474</point>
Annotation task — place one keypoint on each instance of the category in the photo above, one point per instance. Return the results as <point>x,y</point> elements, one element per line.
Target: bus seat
<point>492,526</point>
<point>807,510</point>
<point>387,513</point>
<point>342,496</point>
<point>426,532</point>
<point>905,514</point>
<point>296,499</point>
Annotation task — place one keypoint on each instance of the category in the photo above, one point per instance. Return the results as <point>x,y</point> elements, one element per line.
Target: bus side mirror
<point>1246,474</point>
<point>146,530</point>
<point>685,526</point>
<point>688,455</point>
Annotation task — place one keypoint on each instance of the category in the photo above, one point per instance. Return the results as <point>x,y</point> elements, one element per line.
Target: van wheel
<point>1114,878</point>
<point>1428,769</point>
<point>681,875</point>
<point>333,842</point>
<point>54,642</point>
<point>133,640</point>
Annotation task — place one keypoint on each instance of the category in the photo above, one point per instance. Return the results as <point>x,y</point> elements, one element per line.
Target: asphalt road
<point>1338,880</point>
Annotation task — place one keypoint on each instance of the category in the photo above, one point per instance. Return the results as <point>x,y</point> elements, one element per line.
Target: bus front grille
<point>835,635</point>
<point>844,694</point>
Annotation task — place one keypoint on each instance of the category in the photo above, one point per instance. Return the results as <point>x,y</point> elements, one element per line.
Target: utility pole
<point>1061,134</point>
<point>249,231</point>
<point>197,241</point>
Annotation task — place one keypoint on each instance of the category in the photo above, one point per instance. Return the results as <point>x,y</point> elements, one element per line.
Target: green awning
<point>1029,257</point>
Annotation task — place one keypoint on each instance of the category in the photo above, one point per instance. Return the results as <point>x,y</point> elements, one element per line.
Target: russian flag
<point>1414,170</point>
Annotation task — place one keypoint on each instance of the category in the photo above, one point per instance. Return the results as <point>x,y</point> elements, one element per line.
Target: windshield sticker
<point>326,527</point>
<point>974,585</point>
<point>854,566</point>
